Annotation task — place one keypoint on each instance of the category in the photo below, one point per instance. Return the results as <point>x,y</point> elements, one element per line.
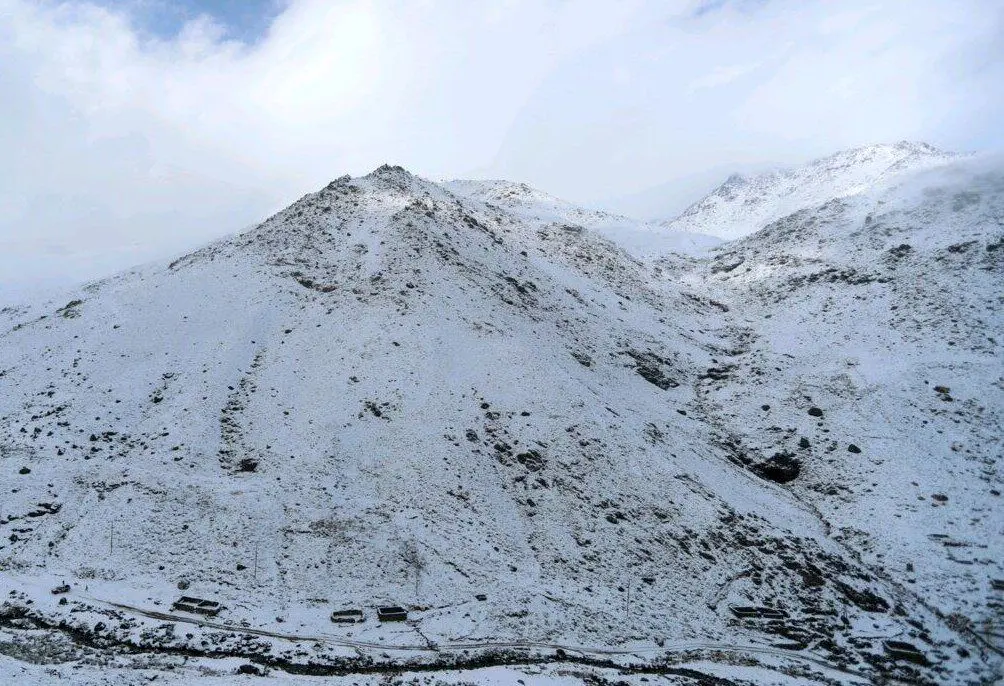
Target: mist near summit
<point>132,131</point>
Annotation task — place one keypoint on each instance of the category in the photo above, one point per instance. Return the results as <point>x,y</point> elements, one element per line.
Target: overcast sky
<point>136,128</point>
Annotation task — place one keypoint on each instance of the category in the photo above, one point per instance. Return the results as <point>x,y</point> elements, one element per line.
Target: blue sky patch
<point>244,20</point>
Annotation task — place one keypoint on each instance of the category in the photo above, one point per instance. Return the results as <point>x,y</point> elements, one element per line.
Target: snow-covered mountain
<point>755,467</point>
<point>643,240</point>
<point>885,308</point>
<point>745,204</point>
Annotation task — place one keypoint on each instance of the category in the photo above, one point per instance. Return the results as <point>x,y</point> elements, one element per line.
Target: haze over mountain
<point>137,129</point>
<point>642,239</point>
<point>751,463</point>
<point>744,204</point>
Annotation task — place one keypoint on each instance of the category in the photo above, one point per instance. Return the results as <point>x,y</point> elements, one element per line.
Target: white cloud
<point>722,75</point>
<point>116,147</point>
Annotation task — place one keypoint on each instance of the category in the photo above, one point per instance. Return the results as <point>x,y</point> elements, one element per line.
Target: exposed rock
<point>780,468</point>
<point>532,460</point>
<point>650,367</point>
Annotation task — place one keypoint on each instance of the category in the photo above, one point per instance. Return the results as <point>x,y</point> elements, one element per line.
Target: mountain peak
<point>341,180</point>
<point>920,147</point>
<point>391,171</point>
<point>742,205</point>
<point>384,171</point>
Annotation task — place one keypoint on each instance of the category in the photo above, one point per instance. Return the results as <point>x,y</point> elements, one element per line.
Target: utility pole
<point>111,539</point>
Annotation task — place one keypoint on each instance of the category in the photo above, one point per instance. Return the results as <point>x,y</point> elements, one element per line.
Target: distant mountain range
<point>744,204</point>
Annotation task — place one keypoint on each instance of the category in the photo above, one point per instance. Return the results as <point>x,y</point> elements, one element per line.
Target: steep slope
<point>745,204</point>
<point>643,240</point>
<point>390,393</point>
<point>884,311</point>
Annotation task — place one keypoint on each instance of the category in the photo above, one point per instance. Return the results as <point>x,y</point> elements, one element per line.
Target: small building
<point>209,608</point>
<point>751,612</point>
<point>901,650</point>
<point>348,617</point>
<point>392,613</point>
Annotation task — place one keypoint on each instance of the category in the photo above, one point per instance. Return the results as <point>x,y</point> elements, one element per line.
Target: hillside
<point>744,204</point>
<point>396,392</point>
<point>643,240</point>
<point>885,311</point>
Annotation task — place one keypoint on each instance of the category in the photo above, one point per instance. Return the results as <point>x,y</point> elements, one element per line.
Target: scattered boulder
<point>803,443</point>
<point>532,460</point>
<point>943,393</point>
<point>815,412</point>
<point>720,374</point>
<point>901,250</point>
<point>781,468</point>
<point>853,448</point>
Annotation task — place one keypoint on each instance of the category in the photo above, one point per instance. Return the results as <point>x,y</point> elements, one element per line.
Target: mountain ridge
<point>392,393</point>
<point>642,239</point>
<point>743,203</point>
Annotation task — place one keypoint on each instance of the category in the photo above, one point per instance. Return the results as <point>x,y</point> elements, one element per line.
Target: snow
<point>870,341</point>
<point>744,204</point>
<point>643,240</point>
<point>402,392</point>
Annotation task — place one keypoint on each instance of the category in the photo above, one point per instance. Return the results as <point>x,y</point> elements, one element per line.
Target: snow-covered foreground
<point>567,464</point>
<point>225,672</point>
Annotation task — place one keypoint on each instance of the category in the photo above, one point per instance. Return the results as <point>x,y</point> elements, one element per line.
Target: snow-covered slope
<point>745,204</point>
<point>885,310</point>
<point>395,392</point>
<point>643,240</point>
